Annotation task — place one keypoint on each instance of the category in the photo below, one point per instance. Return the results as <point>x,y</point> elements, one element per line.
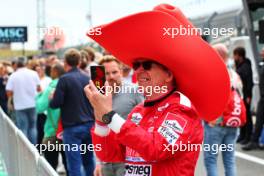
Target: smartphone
<point>98,77</point>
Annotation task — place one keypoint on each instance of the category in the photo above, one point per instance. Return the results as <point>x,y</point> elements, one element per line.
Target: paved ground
<point>248,163</point>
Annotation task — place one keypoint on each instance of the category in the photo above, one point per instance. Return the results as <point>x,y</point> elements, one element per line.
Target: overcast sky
<point>70,15</point>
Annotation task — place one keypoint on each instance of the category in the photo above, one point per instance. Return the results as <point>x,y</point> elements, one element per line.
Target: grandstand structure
<point>234,18</point>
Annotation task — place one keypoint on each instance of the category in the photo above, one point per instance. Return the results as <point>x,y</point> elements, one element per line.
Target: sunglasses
<point>145,64</point>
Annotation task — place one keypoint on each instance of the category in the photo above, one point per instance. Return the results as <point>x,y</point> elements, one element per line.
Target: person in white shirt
<point>44,79</point>
<point>23,86</point>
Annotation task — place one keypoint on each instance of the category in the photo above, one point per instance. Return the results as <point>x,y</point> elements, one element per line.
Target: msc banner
<point>13,34</point>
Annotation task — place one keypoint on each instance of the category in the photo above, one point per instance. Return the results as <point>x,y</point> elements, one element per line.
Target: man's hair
<point>240,51</point>
<point>21,62</point>
<point>90,51</point>
<point>110,58</point>
<point>59,69</point>
<point>72,57</point>
<point>84,54</point>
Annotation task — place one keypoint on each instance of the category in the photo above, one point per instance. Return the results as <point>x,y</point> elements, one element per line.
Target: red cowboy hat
<point>199,71</point>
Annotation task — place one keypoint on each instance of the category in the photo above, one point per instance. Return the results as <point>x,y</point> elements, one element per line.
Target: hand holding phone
<point>98,77</point>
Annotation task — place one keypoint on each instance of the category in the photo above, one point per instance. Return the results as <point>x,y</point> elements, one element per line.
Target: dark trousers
<point>259,121</point>
<point>41,118</point>
<point>53,157</point>
<point>246,130</point>
<point>3,105</point>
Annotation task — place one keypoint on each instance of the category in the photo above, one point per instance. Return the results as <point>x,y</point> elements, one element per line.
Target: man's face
<point>53,73</point>
<point>236,57</point>
<point>156,75</point>
<point>89,59</point>
<point>66,66</point>
<point>113,73</point>
<point>40,71</point>
<point>2,70</point>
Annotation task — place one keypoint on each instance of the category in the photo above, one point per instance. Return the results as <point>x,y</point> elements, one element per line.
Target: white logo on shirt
<point>161,108</point>
<point>173,124</point>
<point>136,118</point>
<point>169,134</point>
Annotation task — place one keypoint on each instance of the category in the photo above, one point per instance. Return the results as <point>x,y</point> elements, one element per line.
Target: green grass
<point>7,54</point>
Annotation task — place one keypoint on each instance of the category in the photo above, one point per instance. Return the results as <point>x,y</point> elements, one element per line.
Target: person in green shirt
<point>53,115</point>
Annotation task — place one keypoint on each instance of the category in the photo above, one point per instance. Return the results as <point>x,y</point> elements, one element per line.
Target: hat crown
<point>175,12</point>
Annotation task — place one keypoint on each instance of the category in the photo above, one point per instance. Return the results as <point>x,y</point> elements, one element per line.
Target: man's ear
<point>122,73</point>
<point>170,76</point>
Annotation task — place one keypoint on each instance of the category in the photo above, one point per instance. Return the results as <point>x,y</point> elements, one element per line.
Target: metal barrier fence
<point>19,156</point>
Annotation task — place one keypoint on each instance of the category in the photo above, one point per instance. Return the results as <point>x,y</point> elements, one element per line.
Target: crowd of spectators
<point>43,94</point>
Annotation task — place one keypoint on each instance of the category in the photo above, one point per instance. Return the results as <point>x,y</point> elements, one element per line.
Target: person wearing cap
<point>147,141</point>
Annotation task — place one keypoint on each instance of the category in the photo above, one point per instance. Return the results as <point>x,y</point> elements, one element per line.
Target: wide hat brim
<point>199,71</point>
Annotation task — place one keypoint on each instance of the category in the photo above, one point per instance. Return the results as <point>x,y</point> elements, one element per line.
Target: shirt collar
<point>153,102</point>
<point>73,69</point>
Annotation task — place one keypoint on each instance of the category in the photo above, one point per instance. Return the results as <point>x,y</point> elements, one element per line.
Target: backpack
<point>234,114</point>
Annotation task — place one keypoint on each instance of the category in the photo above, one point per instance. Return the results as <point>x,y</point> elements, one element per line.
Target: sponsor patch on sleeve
<point>170,135</point>
<point>175,122</point>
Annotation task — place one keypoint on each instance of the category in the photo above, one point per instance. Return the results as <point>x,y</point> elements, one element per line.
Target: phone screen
<point>98,76</point>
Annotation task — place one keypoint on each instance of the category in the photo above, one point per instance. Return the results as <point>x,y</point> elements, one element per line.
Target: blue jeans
<point>216,136</point>
<point>76,158</point>
<point>26,122</point>
<point>262,137</point>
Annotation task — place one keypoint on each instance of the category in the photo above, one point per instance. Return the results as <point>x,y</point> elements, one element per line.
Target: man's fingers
<point>94,173</point>
<point>108,89</point>
<point>98,171</point>
<point>92,86</point>
<point>106,84</point>
<point>87,91</point>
